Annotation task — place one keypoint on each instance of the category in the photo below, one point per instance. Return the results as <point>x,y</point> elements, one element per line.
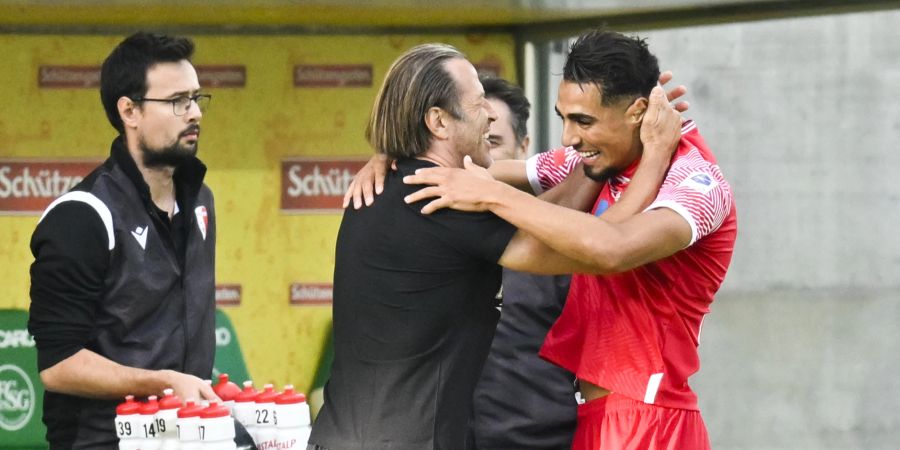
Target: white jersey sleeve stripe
<point>696,190</point>
<point>531,171</point>
<point>681,211</point>
<point>93,202</point>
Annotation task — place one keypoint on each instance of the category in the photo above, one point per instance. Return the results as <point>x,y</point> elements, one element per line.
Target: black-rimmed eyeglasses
<point>180,105</point>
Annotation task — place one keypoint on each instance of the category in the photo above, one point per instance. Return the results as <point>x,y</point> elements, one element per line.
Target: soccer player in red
<point>630,327</point>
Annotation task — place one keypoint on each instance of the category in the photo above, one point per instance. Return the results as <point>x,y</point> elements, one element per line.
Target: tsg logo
<point>16,398</point>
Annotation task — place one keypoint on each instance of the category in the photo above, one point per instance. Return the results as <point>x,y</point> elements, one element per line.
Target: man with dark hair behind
<point>509,134</point>
<point>122,285</point>
<point>521,401</point>
<point>631,324</point>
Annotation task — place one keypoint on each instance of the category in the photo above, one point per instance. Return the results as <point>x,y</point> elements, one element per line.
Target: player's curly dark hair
<point>621,66</point>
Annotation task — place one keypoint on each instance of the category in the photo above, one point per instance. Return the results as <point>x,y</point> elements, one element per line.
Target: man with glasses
<point>122,286</point>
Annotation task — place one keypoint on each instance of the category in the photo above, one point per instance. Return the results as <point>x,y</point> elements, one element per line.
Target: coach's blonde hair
<point>415,82</point>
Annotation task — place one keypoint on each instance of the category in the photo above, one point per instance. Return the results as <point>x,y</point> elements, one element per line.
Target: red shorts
<point>616,422</point>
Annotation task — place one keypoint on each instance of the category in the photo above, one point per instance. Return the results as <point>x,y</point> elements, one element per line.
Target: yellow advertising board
<point>278,102</point>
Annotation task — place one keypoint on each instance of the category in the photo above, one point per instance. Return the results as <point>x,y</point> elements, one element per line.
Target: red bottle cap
<point>128,407</point>
<point>169,400</point>
<point>215,410</point>
<point>150,407</point>
<point>190,409</point>
<point>267,395</point>
<point>289,397</point>
<point>248,394</point>
<point>226,390</point>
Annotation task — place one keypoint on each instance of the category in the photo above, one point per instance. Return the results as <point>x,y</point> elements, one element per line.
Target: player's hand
<point>460,189</point>
<point>661,126</point>
<point>674,93</point>
<point>189,387</point>
<point>369,181</point>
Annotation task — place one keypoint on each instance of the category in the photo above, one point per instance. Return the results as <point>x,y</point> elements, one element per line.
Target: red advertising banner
<point>228,294</point>
<point>222,76</point>
<point>76,77</point>
<point>316,185</point>
<point>72,77</point>
<point>356,75</point>
<point>28,187</point>
<point>311,293</point>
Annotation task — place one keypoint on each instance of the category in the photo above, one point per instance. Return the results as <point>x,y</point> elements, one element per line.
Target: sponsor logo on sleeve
<point>700,182</point>
<point>311,293</point>
<point>28,187</point>
<point>316,185</point>
<point>17,397</point>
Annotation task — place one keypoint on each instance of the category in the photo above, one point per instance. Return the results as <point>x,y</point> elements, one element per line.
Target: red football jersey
<point>636,333</point>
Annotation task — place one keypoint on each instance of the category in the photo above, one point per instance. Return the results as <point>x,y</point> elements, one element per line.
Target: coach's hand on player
<point>674,93</point>
<point>660,126</point>
<point>460,189</point>
<point>189,387</point>
<point>369,181</point>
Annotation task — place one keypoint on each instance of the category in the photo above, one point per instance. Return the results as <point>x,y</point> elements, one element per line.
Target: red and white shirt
<point>636,333</point>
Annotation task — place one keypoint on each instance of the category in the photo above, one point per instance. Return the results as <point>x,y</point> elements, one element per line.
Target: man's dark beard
<point>600,177</point>
<point>171,156</point>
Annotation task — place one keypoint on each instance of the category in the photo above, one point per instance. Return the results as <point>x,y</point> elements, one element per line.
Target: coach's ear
<point>436,119</point>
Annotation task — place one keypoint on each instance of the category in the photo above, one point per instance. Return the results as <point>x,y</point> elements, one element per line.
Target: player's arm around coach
<point>554,239</point>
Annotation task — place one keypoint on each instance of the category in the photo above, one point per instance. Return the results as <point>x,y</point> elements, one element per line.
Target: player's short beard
<point>600,176</point>
<point>171,156</point>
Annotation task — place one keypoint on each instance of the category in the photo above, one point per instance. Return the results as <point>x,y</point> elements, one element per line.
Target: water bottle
<point>188,426</point>
<point>127,414</point>
<point>217,428</point>
<point>226,390</point>
<point>266,435</point>
<point>166,420</point>
<point>245,408</point>
<point>293,425</point>
<point>146,425</point>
